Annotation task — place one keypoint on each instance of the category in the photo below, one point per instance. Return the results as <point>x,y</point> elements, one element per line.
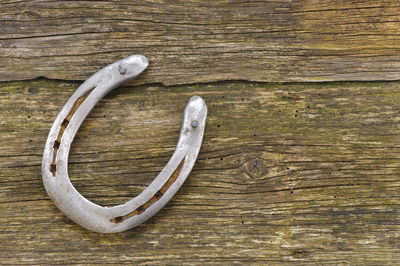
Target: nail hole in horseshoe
<point>155,198</point>
<point>64,125</point>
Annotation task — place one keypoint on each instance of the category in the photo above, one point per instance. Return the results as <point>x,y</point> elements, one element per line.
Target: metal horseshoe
<point>137,210</point>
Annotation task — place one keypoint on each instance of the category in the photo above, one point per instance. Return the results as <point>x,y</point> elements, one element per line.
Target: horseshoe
<point>137,210</point>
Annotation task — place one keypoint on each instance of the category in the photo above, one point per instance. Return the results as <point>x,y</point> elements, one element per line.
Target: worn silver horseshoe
<point>137,210</point>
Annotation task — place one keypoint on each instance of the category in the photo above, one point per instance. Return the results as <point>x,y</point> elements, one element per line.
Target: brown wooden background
<point>300,159</point>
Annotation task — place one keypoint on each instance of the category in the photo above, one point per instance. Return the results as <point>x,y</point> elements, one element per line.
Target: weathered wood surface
<point>305,40</point>
<point>297,172</point>
<point>287,173</point>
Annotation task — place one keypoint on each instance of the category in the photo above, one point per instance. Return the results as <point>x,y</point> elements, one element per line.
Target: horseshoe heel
<point>137,210</point>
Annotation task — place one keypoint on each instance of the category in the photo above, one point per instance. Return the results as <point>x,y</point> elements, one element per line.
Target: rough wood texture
<point>305,40</point>
<point>288,173</point>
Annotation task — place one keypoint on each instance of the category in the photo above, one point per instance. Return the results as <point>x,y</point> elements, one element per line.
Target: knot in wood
<point>256,168</point>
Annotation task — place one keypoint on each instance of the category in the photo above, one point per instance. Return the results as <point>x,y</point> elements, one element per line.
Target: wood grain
<point>203,41</point>
<point>300,172</point>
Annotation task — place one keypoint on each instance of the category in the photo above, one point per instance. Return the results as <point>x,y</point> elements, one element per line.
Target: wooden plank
<point>287,173</point>
<point>203,41</point>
